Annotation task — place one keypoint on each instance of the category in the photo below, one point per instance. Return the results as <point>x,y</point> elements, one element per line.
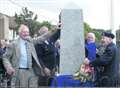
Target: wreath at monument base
<point>84,74</point>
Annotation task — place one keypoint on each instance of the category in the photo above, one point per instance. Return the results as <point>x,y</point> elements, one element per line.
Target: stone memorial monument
<point>72,39</point>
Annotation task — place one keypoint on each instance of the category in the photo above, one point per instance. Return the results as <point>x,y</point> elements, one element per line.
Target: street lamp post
<point>113,30</point>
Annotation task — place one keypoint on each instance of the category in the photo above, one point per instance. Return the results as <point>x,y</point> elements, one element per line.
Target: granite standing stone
<point>72,40</point>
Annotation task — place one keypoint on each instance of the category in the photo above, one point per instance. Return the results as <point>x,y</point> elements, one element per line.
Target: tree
<point>86,28</point>
<point>29,18</point>
<point>97,32</point>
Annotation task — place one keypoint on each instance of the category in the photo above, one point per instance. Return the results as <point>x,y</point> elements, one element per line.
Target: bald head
<point>43,30</point>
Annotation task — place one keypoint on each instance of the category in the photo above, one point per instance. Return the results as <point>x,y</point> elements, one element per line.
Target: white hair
<point>92,35</point>
<point>22,26</point>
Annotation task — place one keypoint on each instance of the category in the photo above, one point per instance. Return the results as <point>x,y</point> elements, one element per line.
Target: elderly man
<point>46,54</point>
<point>20,59</point>
<point>107,60</point>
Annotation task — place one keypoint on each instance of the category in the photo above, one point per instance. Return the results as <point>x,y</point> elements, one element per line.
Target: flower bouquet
<point>84,74</point>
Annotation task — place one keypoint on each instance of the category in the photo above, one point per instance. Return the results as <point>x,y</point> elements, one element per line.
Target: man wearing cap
<point>107,60</point>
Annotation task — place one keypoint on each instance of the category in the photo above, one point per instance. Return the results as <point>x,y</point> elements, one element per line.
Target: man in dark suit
<point>107,60</point>
<point>47,55</point>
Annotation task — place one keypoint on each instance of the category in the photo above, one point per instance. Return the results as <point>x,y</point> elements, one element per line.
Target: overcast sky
<point>95,12</point>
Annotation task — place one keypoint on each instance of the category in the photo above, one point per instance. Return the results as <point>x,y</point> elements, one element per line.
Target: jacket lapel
<point>33,51</point>
<point>17,53</point>
<point>18,48</point>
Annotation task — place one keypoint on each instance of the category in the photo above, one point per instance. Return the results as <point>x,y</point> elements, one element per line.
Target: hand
<point>10,70</point>
<point>53,71</point>
<point>47,72</point>
<point>59,25</point>
<point>82,68</point>
<point>86,61</point>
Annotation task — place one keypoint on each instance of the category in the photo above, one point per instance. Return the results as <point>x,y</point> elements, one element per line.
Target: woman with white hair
<point>91,46</point>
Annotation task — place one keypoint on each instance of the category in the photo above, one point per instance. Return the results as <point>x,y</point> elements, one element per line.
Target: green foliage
<point>30,19</point>
<point>47,24</point>
<point>97,32</point>
<point>27,17</point>
<point>86,28</point>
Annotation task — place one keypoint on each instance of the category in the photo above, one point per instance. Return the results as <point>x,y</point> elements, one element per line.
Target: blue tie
<point>29,57</point>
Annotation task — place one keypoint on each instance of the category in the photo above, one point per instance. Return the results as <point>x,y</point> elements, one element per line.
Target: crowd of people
<point>98,68</point>
<point>22,60</point>
<point>38,58</point>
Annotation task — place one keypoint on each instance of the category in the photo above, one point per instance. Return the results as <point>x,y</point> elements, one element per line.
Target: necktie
<point>29,57</point>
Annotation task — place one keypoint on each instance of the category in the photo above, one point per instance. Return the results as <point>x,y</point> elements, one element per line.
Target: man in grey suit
<point>20,59</point>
